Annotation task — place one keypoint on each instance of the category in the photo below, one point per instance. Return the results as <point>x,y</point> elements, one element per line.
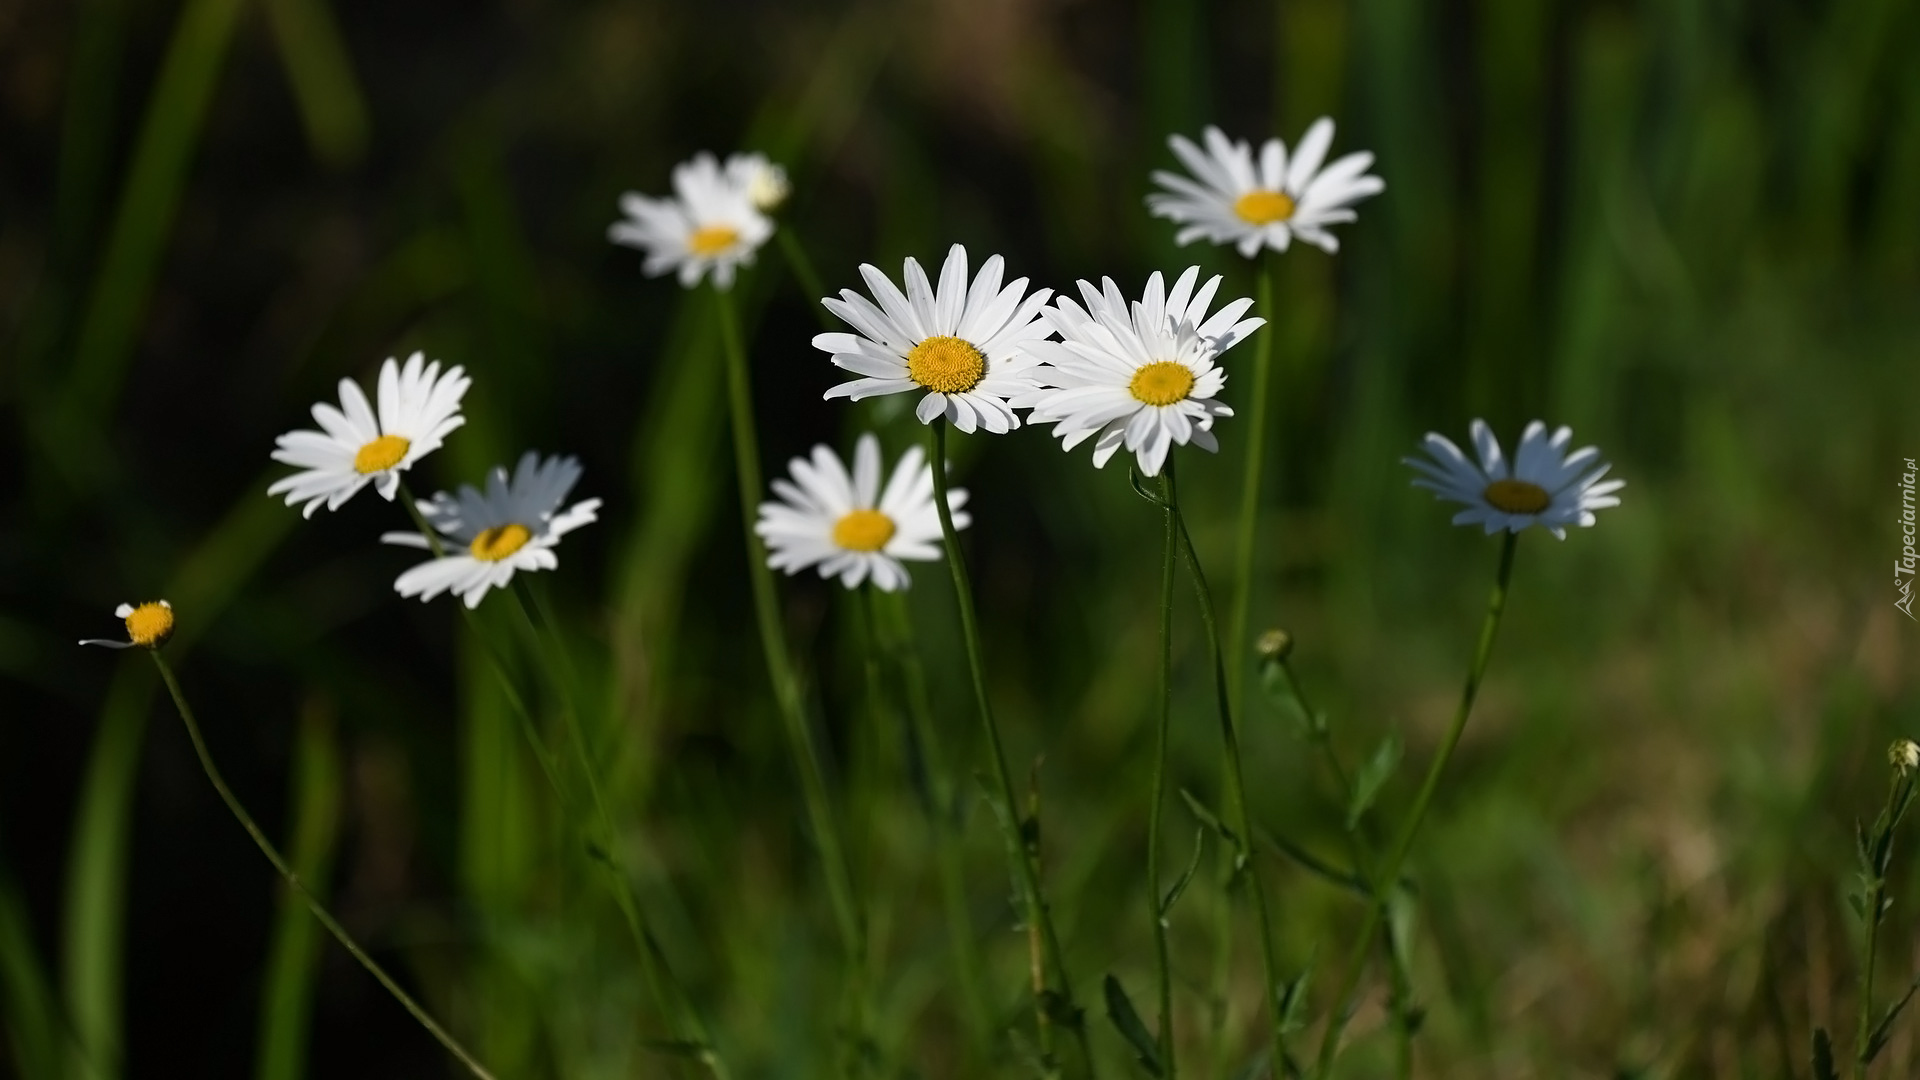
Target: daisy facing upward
<point>1142,376</point>
<point>1231,199</point>
<point>712,224</point>
<point>419,406</point>
<point>847,525</point>
<point>962,344</point>
<point>514,525</point>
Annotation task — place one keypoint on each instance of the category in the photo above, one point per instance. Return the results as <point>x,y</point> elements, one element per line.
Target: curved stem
<point>1246,540</point>
<point>786,687</point>
<point>1163,972</point>
<point>1389,870</point>
<point>293,880</point>
<point>804,273</point>
<point>1236,785</point>
<point>1017,849</point>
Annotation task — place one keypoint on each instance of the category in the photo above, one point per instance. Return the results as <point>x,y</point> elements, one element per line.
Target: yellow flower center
<point>712,239</point>
<point>1263,207</point>
<point>150,625</point>
<point>497,543</point>
<point>1162,382</point>
<point>946,364</point>
<point>1517,497</point>
<point>863,530</point>
<point>381,454</point>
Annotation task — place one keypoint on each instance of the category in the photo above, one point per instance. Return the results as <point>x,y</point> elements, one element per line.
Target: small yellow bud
<point>1904,755</point>
<point>1274,645</point>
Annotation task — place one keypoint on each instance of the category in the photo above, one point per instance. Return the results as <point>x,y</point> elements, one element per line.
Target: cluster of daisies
<point>1141,374</point>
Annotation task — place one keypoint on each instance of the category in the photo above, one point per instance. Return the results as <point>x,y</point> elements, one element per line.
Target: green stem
<point>293,880</point>
<point>947,836</point>
<point>786,688</point>
<point>1163,971</point>
<point>805,274</point>
<point>1236,784</point>
<point>1396,857</point>
<point>1017,849</point>
<point>1247,537</point>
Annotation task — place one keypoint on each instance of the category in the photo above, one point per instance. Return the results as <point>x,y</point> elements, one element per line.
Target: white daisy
<point>1229,200</point>
<point>148,626</point>
<point>963,345</point>
<point>764,183</point>
<point>709,224</point>
<point>1141,376</point>
<point>1545,486</point>
<point>419,406</point>
<point>848,525</point>
<point>514,525</point>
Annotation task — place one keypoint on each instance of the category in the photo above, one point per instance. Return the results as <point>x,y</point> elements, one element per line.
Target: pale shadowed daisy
<point>514,525</point>
<point>848,525</point>
<point>419,406</point>
<point>962,345</point>
<point>710,224</point>
<point>1232,199</point>
<point>1142,376</point>
<point>148,626</point>
<point>1545,485</point>
<point>764,183</point>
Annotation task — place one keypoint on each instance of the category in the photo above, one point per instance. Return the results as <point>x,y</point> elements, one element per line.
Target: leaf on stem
<point>1823,1056</point>
<point>1186,876</point>
<point>1883,1030</point>
<point>1372,777</point>
<point>1127,1021</point>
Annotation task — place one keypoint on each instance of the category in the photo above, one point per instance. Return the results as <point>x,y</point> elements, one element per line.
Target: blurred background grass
<point>1688,229</point>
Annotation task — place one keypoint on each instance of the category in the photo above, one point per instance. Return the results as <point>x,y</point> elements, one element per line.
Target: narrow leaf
<point>1186,876</point>
<point>1884,1029</point>
<point>1208,818</point>
<point>1823,1056</point>
<point>1121,1011</point>
<point>1371,777</point>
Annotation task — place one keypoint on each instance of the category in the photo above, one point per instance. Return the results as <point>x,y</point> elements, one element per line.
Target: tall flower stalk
<point>1039,919</point>
<point>1236,785</point>
<point>786,688</point>
<point>1163,969</point>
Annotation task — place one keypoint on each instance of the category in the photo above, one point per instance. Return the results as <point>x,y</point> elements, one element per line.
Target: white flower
<point>848,525</point>
<point>710,224</point>
<point>1140,376</point>
<point>962,345</point>
<point>1545,486</point>
<point>419,406</point>
<point>514,525</point>
<point>1235,202</point>
<point>148,626</point>
<point>764,183</point>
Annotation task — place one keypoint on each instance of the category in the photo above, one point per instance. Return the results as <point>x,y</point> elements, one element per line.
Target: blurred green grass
<point>1687,229</point>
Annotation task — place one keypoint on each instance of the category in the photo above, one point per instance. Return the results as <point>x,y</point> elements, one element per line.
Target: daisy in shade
<point>710,225</point>
<point>1231,199</point>
<point>356,446</point>
<point>962,344</point>
<point>1545,485</point>
<point>149,625</point>
<point>514,525</point>
<point>848,525</point>
<point>1142,376</point>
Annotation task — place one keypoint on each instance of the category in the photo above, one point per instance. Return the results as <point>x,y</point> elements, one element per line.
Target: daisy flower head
<point>964,344</point>
<point>1140,375</point>
<point>1545,485</point>
<point>764,183</point>
<point>356,446</point>
<point>149,625</point>
<point>1232,199</point>
<point>513,525</point>
<point>848,525</point>
<point>709,225</point>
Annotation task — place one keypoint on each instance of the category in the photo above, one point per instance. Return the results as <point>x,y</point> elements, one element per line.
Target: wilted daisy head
<point>1232,199</point>
<point>963,344</point>
<point>419,406</point>
<point>764,183</point>
<point>1140,375</point>
<point>149,625</point>
<point>847,524</point>
<point>513,525</point>
<point>710,223</point>
<point>1545,485</point>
